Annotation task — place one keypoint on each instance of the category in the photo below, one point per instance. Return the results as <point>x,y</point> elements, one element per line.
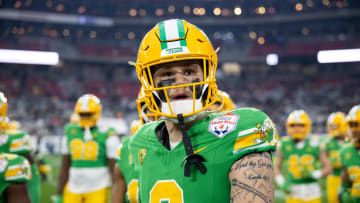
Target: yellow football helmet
<point>172,41</point>
<point>88,108</point>
<point>298,124</point>
<point>145,115</point>
<point>223,99</point>
<point>336,124</point>
<point>135,126</point>
<point>353,120</point>
<point>3,110</point>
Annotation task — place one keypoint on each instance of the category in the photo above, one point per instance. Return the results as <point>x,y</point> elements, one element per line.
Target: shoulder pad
<point>72,128</point>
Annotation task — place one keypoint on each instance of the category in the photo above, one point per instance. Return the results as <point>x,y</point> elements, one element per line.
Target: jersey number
<point>133,190</point>
<point>166,191</point>
<point>335,155</point>
<point>354,173</point>
<point>84,150</point>
<point>298,164</point>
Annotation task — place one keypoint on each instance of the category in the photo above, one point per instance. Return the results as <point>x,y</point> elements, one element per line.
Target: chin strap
<point>190,158</point>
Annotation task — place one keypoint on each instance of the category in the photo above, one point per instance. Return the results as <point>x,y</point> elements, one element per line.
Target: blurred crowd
<point>43,98</point>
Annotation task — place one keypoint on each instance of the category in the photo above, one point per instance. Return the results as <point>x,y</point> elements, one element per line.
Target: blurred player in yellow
<point>125,187</point>
<point>88,156</point>
<point>301,152</point>
<point>337,129</point>
<point>222,103</point>
<point>15,170</point>
<point>18,142</point>
<point>350,160</point>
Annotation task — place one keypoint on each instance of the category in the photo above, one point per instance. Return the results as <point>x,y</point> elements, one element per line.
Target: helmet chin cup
<point>181,106</point>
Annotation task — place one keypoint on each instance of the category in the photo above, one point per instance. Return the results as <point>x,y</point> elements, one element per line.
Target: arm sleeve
<point>260,135</point>
<point>21,144</point>
<point>112,144</point>
<point>18,170</point>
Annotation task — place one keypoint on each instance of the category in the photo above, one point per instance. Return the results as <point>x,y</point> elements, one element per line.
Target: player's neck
<point>174,130</point>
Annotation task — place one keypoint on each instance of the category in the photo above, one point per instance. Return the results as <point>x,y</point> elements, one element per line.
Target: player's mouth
<point>180,96</point>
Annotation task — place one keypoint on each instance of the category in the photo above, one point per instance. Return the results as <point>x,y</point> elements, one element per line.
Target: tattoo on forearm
<point>248,189</point>
<point>252,178</point>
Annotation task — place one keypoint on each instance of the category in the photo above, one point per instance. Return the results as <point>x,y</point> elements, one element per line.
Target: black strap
<point>190,158</point>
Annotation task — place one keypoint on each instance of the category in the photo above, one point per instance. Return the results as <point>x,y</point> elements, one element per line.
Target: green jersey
<point>301,161</point>
<point>89,151</point>
<point>18,142</point>
<point>332,146</point>
<point>220,138</point>
<point>125,163</point>
<point>350,159</point>
<point>13,169</point>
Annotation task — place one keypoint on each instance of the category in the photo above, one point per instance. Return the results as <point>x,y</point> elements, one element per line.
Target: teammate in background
<point>224,101</point>
<point>337,129</point>
<point>15,141</point>
<point>44,166</point>
<point>196,155</point>
<point>350,160</point>
<point>14,170</point>
<point>301,152</point>
<point>125,187</point>
<point>88,156</point>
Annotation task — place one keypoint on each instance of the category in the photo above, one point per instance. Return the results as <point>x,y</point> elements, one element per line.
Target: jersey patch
<point>262,135</point>
<point>141,154</point>
<point>223,124</point>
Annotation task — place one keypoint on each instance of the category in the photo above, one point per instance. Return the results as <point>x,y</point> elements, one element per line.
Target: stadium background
<point>96,39</point>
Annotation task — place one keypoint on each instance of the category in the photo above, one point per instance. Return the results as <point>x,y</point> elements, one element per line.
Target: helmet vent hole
<point>147,48</point>
<point>200,40</point>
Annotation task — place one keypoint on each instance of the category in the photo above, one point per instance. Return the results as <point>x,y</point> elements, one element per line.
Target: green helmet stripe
<point>162,35</point>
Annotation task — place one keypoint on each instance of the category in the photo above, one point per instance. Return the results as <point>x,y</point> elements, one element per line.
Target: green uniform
<point>350,159</point>
<point>301,162</point>
<point>125,163</point>
<point>221,139</point>
<point>13,169</point>
<point>18,142</point>
<point>332,146</point>
<point>89,156</point>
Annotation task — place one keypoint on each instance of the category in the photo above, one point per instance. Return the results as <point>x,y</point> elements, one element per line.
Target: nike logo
<point>199,150</point>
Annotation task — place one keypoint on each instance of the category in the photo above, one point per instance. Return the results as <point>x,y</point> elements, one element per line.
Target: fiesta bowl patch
<point>223,124</point>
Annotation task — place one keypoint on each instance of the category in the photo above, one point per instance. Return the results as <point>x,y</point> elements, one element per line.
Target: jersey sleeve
<point>112,143</point>
<point>255,133</point>
<point>15,168</point>
<point>20,143</point>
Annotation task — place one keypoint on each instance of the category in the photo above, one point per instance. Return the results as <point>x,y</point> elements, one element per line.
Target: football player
<point>350,160</point>
<point>14,169</point>
<point>301,152</point>
<point>88,156</point>
<point>125,187</point>
<point>337,129</point>
<point>223,103</point>
<point>192,154</point>
<point>18,142</point>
